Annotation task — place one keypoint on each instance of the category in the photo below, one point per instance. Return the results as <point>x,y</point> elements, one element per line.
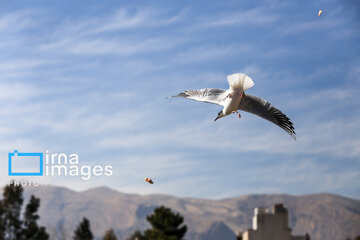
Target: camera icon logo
<point>25,164</point>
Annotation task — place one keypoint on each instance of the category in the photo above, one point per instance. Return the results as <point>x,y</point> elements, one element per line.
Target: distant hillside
<point>323,216</point>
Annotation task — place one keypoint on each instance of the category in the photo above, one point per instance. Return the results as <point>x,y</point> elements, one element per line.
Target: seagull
<point>235,99</point>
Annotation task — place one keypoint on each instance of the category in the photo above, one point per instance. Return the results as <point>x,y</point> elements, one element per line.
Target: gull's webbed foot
<point>237,113</point>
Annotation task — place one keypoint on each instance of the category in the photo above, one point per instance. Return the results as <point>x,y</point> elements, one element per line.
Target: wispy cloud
<point>89,36</point>
<point>16,92</point>
<point>121,19</point>
<point>16,21</point>
<point>108,46</point>
<point>310,26</point>
<point>204,54</point>
<point>253,16</point>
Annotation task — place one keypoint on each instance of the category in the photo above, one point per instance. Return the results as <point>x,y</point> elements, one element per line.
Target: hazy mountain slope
<point>218,230</point>
<point>323,216</point>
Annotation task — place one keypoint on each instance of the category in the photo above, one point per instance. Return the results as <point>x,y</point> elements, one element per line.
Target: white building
<point>271,226</point>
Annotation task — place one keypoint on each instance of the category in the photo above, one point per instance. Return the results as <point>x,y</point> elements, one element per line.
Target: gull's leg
<point>237,113</point>
<point>241,96</point>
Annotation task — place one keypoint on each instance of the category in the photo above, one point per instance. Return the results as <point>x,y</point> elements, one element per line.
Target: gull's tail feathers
<point>240,80</point>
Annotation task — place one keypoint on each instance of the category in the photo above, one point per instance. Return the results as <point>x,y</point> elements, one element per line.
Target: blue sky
<point>92,78</point>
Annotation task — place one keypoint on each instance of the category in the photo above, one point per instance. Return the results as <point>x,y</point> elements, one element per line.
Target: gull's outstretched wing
<point>264,109</point>
<point>209,95</point>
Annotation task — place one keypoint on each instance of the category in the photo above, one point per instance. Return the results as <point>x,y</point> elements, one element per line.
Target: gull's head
<point>220,115</point>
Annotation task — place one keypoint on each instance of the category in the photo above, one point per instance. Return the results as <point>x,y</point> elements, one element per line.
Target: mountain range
<point>323,216</point>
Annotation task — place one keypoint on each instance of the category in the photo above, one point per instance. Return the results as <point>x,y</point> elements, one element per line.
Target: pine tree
<point>136,236</point>
<point>2,222</point>
<point>165,225</point>
<point>83,231</point>
<point>110,235</point>
<point>11,209</point>
<point>12,226</point>
<point>32,230</point>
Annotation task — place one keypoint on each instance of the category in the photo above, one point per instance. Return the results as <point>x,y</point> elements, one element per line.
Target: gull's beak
<point>216,119</point>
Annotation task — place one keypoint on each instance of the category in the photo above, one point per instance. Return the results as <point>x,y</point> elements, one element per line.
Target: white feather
<point>240,80</point>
